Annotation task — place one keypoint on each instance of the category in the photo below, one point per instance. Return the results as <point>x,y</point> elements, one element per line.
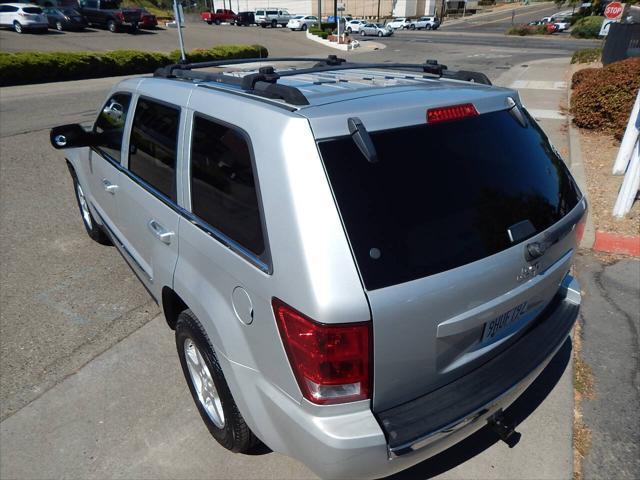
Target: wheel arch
<point>172,306</point>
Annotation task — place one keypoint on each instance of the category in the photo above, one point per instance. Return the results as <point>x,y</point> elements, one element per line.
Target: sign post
<point>177,11</point>
<point>612,14</point>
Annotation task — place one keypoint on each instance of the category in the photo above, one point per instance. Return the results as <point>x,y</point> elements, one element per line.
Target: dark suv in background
<point>245,19</point>
<point>109,14</point>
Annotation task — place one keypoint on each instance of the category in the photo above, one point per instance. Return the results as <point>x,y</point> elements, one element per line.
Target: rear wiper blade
<point>362,139</point>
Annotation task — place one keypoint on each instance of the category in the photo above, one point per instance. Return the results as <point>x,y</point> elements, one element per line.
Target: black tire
<point>362,33</point>
<point>412,27</point>
<point>234,434</point>
<point>263,25</point>
<point>274,24</point>
<point>17,26</point>
<point>95,231</point>
<point>217,22</point>
<point>428,27</point>
<point>59,26</point>
<point>134,28</point>
<point>380,34</point>
<point>112,26</point>
<point>304,27</point>
<point>209,22</point>
<point>349,29</point>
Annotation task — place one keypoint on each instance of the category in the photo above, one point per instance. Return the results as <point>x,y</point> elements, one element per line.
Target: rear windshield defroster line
<point>444,195</point>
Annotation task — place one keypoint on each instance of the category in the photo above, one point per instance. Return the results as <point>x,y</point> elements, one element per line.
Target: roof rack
<point>265,82</point>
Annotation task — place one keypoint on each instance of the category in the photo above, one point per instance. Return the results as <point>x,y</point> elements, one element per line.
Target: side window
<point>110,125</point>
<point>223,191</point>
<point>91,4</point>
<point>153,145</point>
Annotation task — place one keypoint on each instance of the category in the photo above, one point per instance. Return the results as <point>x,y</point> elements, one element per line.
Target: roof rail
<point>265,82</point>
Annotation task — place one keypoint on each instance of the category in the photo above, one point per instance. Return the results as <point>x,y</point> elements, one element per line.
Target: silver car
<point>337,291</point>
<point>376,29</point>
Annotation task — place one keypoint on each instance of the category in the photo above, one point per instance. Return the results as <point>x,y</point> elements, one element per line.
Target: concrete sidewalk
<point>128,413</point>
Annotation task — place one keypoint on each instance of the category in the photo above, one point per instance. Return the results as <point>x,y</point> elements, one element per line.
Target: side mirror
<point>70,136</point>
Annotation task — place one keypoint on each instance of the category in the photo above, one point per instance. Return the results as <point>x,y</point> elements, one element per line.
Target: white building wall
<point>299,7</point>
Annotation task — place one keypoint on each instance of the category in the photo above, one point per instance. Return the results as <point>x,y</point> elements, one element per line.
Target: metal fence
<point>623,41</point>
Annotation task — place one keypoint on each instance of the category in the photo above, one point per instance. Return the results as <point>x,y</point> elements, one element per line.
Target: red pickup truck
<point>219,16</point>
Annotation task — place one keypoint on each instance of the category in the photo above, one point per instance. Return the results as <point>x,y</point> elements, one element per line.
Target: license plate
<point>504,321</point>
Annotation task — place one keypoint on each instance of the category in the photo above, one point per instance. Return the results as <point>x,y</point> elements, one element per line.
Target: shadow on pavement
<point>524,406</point>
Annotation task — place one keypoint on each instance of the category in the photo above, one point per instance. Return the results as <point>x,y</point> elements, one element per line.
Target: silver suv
<point>337,291</point>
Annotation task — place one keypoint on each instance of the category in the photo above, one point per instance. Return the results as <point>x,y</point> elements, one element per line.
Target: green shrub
<point>523,30</point>
<point>328,26</point>
<point>319,33</point>
<point>587,55</point>
<point>39,67</point>
<point>602,98</point>
<point>587,27</point>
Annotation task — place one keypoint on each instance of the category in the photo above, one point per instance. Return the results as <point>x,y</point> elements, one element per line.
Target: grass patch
<point>157,10</point>
<point>587,55</point>
<point>582,377</point>
<point>23,68</point>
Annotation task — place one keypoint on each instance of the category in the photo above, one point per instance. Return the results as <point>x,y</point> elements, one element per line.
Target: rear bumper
<point>477,395</point>
<point>349,441</point>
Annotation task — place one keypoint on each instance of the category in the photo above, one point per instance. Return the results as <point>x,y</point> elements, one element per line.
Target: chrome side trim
<point>123,249</point>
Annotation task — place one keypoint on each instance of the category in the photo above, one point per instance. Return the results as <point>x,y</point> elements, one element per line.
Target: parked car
<point>551,27</point>
<point>109,14</point>
<point>354,25</point>
<point>272,17</point>
<point>428,23</point>
<point>148,21</point>
<point>377,29</point>
<point>244,19</point>
<point>561,26</point>
<point>22,17</point>
<point>219,16</point>
<point>302,22</point>
<point>345,301</point>
<point>399,23</point>
<point>64,18</point>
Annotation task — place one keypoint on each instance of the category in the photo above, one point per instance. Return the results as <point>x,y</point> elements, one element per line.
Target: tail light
<point>330,362</point>
<point>454,112</point>
<point>120,16</point>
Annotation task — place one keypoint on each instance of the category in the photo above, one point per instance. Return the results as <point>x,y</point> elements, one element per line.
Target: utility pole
<point>335,11</point>
<point>320,10</point>
<point>378,11</point>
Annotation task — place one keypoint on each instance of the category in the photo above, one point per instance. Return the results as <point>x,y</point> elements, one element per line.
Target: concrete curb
<point>593,239</point>
<point>577,169</point>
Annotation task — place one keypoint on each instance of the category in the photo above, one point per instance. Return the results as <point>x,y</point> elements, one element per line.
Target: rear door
<point>439,236</point>
<point>149,193</point>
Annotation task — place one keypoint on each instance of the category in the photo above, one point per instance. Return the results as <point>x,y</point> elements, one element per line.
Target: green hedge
<point>318,33</point>
<point>523,30</point>
<point>587,27</point>
<point>40,67</point>
<point>602,98</point>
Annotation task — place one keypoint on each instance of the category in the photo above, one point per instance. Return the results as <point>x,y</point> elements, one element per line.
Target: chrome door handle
<point>160,232</point>
<point>109,187</point>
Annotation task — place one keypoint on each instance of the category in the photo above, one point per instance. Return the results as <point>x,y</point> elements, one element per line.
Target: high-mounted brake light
<point>331,362</point>
<point>454,112</point>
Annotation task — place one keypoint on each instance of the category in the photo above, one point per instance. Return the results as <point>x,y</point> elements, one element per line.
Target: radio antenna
<point>177,11</point>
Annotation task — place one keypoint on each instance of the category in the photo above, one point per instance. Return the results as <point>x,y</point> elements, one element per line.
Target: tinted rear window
<point>444,195</point>
<point>32,10</point>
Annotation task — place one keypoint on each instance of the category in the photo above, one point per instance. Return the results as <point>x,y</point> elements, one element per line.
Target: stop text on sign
<point>613,10</point>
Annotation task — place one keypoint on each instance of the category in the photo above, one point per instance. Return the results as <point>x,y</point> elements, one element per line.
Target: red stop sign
<point>613,10</point>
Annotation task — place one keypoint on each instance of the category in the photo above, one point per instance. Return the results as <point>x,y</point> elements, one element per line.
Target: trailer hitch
<point>505,430</point>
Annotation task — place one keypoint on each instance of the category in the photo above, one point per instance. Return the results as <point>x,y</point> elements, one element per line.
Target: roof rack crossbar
<point>265,82</point>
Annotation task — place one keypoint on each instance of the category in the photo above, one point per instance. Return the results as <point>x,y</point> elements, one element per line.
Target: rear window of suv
<point>33,10</point>
<point>444,195</point>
